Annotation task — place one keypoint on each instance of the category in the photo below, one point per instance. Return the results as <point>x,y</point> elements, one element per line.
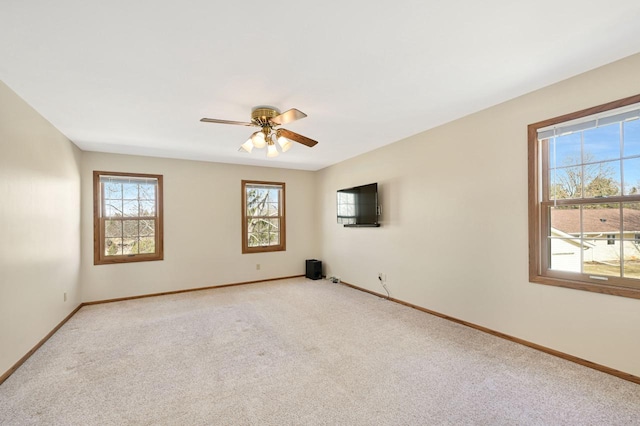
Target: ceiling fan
<point>268,118</point>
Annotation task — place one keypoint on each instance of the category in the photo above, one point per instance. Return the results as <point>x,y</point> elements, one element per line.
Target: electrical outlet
<point>382,277</point>
<point>65,296</point>
<point>257,266</point>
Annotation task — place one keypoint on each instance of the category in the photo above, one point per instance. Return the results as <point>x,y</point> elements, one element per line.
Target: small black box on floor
<point>314,269</point>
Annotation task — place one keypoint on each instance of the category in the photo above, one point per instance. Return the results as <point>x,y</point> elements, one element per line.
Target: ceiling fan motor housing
<point>261,115</point>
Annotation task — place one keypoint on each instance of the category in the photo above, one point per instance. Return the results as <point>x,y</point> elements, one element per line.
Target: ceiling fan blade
<point>288,116</point>
<point>215,120</point>
<point>297,138</point>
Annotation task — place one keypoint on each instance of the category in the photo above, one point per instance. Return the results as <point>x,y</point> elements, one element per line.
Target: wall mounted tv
<point>358,206</point>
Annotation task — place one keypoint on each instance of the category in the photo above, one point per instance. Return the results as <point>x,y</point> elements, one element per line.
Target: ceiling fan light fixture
<point>247,146</point>
<point>284,143</point>
<point>272,151</point>
<point>258,139</point>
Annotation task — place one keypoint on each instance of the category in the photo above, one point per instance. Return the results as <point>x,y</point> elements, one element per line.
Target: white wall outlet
<point>257,266</point>
<point>65,296</point>
<point>382,277</point>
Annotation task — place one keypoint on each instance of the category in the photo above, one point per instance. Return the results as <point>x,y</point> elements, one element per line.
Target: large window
<point>263,216</point>
<point>584,199</point>
<point>127,217</point>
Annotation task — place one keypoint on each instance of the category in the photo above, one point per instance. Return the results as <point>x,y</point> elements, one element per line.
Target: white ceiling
<point>135,77</point>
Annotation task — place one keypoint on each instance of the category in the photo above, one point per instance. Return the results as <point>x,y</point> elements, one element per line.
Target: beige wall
<point>454,233</point>
<point>39,227</point>
<point>202,228</point>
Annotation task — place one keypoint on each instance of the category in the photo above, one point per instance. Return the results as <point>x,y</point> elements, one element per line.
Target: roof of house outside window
<point>606,221</point>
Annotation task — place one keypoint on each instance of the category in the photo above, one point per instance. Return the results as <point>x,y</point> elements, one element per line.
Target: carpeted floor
<point>296,352</point>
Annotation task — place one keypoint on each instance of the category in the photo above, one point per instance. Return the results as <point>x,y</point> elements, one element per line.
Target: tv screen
<point>358,206</point>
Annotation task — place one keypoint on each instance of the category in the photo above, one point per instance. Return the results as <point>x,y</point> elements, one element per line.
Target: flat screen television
<point>358,206</point>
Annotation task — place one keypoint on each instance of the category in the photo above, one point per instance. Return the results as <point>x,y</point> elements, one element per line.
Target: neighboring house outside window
<point>128,224</point>
<point>584,199</point>
<point>263,216</point>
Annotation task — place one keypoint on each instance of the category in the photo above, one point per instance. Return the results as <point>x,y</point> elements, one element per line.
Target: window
<point>263,217</point>
<point>127,217</point>
<point>584,191</point>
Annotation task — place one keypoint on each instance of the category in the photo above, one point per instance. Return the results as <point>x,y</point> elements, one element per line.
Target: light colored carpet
<point>297,352</point>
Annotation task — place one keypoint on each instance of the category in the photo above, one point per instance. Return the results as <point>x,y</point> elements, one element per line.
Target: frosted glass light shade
<point>247,146</point>
<point>284,143</point>
<point>258,140</point>
<point>272,151</point>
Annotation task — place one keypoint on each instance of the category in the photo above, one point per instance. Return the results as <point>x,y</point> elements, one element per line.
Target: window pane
<point>274,195</point>
<point>632,138</point>
<point>113,228</point>
<point>631,242</point>
<point>113,246</point>
<point>146,245</point>
<point>112,190</point>
<point>565,221</point>
<point>130,191</point>
<point>147,228</point>
<point>128,246</point>
<point>130,228</point>
<point>564,238</point>
<point>255,225</point>
<point>602,143</point>
<point>274,239</point>
<point>632,176</point>
<point>568,150</point>
<point>147,208</point>
<point>259,232</point>
<point>598,222</point>
<point>602,179</point>
<point>113,208</point>
<point>631,267</point>
<point>131,208</point>
<point>274,224</point>
<point>565,254</point>
<point>255,240</point>
<point>631,218</point>
<point>147,191</point>
<point>567,183</point>
<point>273,209</point>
